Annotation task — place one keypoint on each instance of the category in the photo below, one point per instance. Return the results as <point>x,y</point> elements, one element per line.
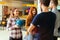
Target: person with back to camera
<point>45,21</point>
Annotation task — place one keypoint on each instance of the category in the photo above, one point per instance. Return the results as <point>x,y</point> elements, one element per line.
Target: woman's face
<point>51,4</point>
<point>16,12</point>
<point>34,11</point>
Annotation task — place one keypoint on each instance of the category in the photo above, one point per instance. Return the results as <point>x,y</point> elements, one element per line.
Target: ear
<point>40,4</point>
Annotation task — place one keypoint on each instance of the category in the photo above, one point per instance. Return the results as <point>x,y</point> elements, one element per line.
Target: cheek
<point>50,5</point>
<point>33,12</point>
<point>14,13</point>
<point>17,12</point>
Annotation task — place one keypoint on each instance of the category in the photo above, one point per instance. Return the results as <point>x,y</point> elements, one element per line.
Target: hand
<point>27,33</point>
<point>15,26</point>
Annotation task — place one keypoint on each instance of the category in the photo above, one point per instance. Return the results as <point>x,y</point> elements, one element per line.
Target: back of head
<point>55,2</point>
<point>45,2</point>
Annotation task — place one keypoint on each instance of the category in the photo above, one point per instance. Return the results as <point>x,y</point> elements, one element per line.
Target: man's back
<point>46,22</point>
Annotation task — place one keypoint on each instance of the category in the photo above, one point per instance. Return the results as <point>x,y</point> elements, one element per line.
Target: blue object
<point>19,22</point>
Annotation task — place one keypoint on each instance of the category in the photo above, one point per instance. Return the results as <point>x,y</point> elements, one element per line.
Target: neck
<point>16,16</point>
<point>54,8</point>
<point>44,9</point>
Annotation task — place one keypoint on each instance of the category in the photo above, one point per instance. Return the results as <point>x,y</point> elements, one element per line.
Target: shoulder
<point>38,15</point>
<point>53,13</point>
<point>41,14</point>
<point>29,17</point>
<point>57,13</point>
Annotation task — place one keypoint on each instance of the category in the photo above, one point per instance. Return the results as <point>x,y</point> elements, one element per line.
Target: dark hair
<point>45,2</point>
<point>55,2</point>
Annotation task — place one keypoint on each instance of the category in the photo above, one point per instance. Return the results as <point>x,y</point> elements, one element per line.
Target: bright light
<point>28,5</point>
<point>1,2</point>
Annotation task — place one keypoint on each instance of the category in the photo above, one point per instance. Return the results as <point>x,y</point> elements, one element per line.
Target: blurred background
<point>23,5</point>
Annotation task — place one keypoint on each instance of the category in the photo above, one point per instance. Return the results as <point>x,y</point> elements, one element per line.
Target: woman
<point>15,31</point>
<point>31,15</point>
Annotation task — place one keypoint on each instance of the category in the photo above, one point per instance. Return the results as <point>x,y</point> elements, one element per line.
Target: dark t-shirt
<point>45,22</point>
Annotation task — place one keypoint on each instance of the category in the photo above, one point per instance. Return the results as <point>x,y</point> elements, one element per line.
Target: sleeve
<point>36,20</point>
<point>56,24</point>
<point>59,20</point>
<point>8,24</point>
<point>27,22</point>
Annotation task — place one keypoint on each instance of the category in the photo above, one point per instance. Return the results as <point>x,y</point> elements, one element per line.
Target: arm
<point>31,28</point>
<point>34,23</point>
<point>8,24</point>
<point>27,24</point>
<point>59,21</point>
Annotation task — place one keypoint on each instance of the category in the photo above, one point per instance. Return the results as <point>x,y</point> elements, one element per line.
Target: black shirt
<point>45,21</point>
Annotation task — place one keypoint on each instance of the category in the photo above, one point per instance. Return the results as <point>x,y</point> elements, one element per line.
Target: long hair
<point>30,16</point>
<point>13,10</point>
<point>55,2</point>
<point>30,11</point>
<point>12,13</point>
